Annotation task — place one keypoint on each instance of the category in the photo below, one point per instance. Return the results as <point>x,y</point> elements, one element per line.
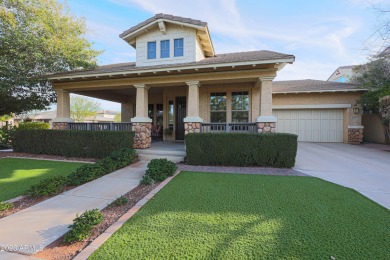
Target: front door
<point>181,113</point>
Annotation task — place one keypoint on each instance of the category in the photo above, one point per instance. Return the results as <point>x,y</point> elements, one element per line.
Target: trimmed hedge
<point>83,144</point>
<point>33,126</point>
<point>242,149</point>
<point>116,160</point>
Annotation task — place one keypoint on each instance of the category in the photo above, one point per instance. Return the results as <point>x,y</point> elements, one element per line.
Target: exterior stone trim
<point>266,127</point>
<point>143,135</point>
<point>355,135</point>
<point>59,126</point>
<point>192,127</point>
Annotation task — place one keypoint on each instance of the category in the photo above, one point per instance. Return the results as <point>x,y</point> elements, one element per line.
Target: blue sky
<point>321,34</point>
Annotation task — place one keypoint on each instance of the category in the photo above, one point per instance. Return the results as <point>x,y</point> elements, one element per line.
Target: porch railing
<point>100,126</point>
<point>228,127</point>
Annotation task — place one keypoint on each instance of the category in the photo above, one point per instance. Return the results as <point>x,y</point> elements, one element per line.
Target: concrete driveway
<point>364,169</point>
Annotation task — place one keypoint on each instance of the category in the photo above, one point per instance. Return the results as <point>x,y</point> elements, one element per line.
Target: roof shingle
<point>310,85</point>
<point>217,59</point>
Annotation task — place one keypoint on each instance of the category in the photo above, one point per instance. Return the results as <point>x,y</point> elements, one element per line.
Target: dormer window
<point>164,49</point>
<point>179,47</point>
<point>151,50</point>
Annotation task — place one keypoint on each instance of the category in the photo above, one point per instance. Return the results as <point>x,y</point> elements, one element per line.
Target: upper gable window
<point>151,50</point>
<point>164,49</point>
<point>179,47</point>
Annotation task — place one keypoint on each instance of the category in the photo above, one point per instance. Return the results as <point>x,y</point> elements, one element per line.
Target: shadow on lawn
<point>17,175</point>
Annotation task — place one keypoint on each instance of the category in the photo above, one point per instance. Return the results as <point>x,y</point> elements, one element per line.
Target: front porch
<point>167,105</point>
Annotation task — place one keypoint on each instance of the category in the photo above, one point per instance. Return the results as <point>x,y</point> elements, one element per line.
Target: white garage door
<point>311,125</point>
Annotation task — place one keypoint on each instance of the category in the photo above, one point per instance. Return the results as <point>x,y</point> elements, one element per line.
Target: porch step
<point>147,155</point>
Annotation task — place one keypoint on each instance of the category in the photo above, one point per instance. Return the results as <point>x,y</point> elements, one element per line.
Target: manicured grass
<point>231,216</point>
<point>17,175</point>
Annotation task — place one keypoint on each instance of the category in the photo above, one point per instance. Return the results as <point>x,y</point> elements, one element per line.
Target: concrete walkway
<point>365,169</point>
<point>40,225</point>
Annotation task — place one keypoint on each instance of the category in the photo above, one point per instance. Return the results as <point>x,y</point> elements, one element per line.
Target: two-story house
<point>179,82</point>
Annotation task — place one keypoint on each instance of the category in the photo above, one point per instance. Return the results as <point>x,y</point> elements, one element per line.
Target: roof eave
<point>177,68</point>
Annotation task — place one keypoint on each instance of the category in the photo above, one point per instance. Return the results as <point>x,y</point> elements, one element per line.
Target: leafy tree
<point>118,118</point>
<point>5,118</point>
<point>375,77</point>
<point>38,37</point>
<point>83,107</point>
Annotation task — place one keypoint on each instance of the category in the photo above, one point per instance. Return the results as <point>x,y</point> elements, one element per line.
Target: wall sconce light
<point>356,110</point>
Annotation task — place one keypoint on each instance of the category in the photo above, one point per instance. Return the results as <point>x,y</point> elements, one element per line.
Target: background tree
<point>83,107</point>
<point>38,37</point>
<point>118,118</point>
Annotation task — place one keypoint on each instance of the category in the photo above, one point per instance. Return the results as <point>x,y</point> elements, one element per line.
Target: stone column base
<point>59,126</point>
<point>355,134</point>
<point>191,127</point>
<point>266,127</point>
<point>143,135</point>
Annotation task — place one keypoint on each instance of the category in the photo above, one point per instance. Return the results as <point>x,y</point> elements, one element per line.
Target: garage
<point>311,125</point>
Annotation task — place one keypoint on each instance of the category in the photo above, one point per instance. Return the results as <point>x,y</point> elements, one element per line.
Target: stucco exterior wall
<point>173,32</point>
<point>373,130</point>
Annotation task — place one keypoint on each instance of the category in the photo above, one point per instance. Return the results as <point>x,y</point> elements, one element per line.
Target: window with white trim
<point>164,49</point>
<point>151,50</point>
<point>218,107</point>
<point>178,45</point>
<point>240,107</point>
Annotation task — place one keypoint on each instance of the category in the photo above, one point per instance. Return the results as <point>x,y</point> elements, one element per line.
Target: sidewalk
<point>38,226</point>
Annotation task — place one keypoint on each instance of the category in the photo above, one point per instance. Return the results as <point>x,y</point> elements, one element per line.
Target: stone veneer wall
<point>191,128</point>
<point>266,127</point>
<point>355,135</point>
<point>59,126</point>
<point>143,136</point>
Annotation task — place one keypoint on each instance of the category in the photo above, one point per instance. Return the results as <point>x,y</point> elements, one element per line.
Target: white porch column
<point>266,122</point>
<point>193,120</point>
<point>142,124</point>
<point>141,110</point>
<point>63,110</point>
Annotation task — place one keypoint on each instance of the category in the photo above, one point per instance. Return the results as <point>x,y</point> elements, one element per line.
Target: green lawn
<point>232,216</point>
<point>17,175</point>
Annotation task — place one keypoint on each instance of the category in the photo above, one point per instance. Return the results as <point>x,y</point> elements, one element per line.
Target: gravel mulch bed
<point>58,250</point>
<point>46,157</point>
<point>242,170</point>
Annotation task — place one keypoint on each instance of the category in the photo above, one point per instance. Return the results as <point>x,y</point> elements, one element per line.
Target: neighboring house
<point>180,82</point>
<point>343,74</point>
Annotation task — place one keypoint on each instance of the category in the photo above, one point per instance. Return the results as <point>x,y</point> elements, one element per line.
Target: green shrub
<point>47,187</point>
<point>5,206</point>
<point>33,126</point>
<point>71,143</point>
<point>241,149</point>
<point>83,225</point>
<point>85,173</point>
<point>119,201</point>
<point>116,160</point>
<point>5,137</point>
<point>160,169</point>
<point>146,180</point>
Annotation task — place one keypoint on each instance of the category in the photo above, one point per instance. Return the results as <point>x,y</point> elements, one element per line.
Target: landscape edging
<point>95,244</point>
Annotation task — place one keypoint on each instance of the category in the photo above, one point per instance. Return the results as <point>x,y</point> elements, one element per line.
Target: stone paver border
<point>243,170</point>
<point>94,245</point>
<point>45,159</point>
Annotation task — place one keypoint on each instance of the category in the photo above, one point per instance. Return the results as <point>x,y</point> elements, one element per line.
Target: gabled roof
<point>311,85</point>
<point>342,68</point>
<point>160,19</point>
<point>219,60</point>
<point>167,17</point>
